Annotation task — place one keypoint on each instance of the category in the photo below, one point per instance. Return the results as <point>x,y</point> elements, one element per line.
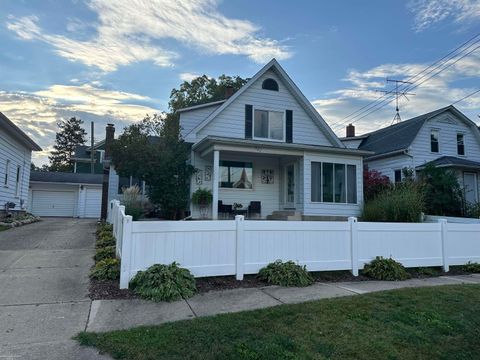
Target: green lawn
<point>2,227</point>
<point>423,323</point>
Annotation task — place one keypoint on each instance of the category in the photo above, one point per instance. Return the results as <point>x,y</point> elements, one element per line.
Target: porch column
<point>216,172</point>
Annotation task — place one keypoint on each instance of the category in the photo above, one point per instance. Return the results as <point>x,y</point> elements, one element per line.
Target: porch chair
<point>255,209</point>
<point>224,210</point>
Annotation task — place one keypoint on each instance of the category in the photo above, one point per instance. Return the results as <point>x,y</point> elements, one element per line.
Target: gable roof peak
<point>292,87</point>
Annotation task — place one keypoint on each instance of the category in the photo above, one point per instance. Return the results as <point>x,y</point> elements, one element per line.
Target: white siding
<point>387,166</point>
<point>448,126</point>
<point>267,194</point>
<point>18,155</point>
<point>332,209</point>
<point>231,121</point>
<point>190,119</point>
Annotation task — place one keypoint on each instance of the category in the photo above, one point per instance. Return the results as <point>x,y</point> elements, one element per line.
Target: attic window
<point>270,84</point>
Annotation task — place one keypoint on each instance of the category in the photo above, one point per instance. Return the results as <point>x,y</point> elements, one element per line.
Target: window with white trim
<point>398,175</point>
<point>7,170</point>
<point>434,141</point>
<point>333,183</point>
<point>17,180</point>
<point>269,125</point>
<point>460,144</point>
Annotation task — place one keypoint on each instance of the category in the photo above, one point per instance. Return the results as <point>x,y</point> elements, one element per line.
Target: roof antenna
<point>398,93</point>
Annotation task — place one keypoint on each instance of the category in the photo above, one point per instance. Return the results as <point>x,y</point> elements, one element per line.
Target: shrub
<point>443,193</point>
<point>104,227</point>
<point>106,269</point>
<point>132,201</point>
<point>106,240</point>
<point>164,283</point>
<point>285,274</point>
<point>385,269</point>
<point>374,183</point>
<point>103,253</point>
<point>471,267</point>
<point>402,203</point>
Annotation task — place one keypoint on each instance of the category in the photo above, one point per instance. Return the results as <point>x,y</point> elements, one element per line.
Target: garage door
<point>93,203</point>
<point>53,203</point>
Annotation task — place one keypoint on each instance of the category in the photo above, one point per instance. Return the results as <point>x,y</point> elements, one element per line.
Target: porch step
<point>285,215</point>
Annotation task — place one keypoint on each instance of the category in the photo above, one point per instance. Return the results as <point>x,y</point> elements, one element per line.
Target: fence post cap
<point>239,218</point>
<point>352,219</point>
<point>442,221</point>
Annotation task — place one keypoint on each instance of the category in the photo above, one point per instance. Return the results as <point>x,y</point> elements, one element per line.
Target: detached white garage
<point>65,194</point>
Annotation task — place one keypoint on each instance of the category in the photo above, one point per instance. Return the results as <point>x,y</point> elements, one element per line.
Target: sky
<point>116,61</point>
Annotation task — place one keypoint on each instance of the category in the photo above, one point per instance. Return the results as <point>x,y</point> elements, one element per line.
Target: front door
<point>470,184</point>
<point>290,186</point>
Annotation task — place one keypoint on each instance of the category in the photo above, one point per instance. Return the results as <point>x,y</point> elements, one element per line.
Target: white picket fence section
<point>238,247</point>
<point>452,219</point>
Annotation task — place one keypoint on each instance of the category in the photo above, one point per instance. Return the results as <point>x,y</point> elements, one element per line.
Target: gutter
<point>391,153</point>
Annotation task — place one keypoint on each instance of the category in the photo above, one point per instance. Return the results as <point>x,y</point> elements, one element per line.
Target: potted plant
<point>202,198</point>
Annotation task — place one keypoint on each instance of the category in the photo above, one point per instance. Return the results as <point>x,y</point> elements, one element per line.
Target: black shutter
<point>289,126</point>
<point>248,121</point>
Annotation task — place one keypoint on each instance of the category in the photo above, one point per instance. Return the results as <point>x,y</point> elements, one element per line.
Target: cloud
<point>188,76</point>
<point>429,12</point>
<point>440,91</point>
<point>37,113</point>
<point>129,31</point>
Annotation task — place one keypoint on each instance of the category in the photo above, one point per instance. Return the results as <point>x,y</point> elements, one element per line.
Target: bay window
<point>269,125</point>
<point>333,183</point>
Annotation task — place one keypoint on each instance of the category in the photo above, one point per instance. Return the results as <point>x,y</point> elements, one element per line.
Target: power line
<point>465,97</point>
<point>411,78</point>
<point>394,132</point>
<point>410,87</point>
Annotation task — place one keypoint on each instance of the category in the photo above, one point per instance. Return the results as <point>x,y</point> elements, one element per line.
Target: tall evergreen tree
<point>70,135</point>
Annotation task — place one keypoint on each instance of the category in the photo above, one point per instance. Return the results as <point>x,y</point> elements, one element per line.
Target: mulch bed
<point>109,289</point>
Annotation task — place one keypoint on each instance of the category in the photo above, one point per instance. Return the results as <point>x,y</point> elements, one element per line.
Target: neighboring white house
<point>15,158</point>
<point>444,137</point>
<point>268,145</point>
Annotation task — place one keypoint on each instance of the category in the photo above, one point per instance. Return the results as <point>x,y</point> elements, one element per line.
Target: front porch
<point>249,181</point>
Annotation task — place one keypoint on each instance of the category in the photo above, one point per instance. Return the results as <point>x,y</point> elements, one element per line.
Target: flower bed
<point>18,220</point>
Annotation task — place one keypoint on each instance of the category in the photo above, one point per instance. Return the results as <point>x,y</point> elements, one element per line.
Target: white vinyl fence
<point>238,247</point>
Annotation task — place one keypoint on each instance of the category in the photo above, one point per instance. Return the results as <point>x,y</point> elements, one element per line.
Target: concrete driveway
<point>44,289</point>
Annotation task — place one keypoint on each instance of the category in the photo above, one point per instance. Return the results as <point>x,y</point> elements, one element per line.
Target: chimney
<point>109,136</point>
<point>228,91</point>
<point>350,130</point>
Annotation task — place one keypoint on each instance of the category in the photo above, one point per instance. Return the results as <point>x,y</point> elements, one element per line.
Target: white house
<point>15,158</point>
<point>268,149</point>
<point>444,137</point>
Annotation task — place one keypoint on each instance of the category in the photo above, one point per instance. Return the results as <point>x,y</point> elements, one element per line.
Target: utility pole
<point>398,93</point>
<point>92,150</point>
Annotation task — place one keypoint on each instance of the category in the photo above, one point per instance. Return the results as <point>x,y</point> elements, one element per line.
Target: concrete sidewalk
<point>106,315</point>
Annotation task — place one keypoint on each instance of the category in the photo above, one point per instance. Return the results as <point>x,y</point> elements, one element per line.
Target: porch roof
<point>452,161</point>
<point>210,143</point>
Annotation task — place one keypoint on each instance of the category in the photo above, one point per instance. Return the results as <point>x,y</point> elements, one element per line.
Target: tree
<point>443,194</point>
<point>34,167</point>
<point>70,135</point>
<point>154,152</point>
<point>202,90</point>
